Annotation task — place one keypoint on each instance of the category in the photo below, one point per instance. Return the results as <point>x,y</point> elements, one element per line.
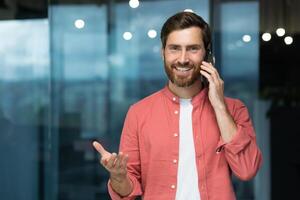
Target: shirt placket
<point>174,135</point>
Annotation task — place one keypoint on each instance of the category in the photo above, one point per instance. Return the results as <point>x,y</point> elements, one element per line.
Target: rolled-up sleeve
<point>129,144</point>
<point>242,152</point>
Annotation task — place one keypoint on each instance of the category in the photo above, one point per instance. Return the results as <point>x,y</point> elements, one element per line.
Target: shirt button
<point>175,134</point>
<point>176,112</point>
<point>174,98</point>
<point>174,161</point>
<point>173,186</point>
<point>203,187</point>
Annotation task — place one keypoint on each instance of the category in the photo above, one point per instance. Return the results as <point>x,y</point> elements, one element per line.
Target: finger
<point>124,161</point>
<point>214,74</point>
<point>104,161</point>
<point>210,66</point>
<point>207,76</point>
<point>119,159</point>
<point>210,69</point>
<point>111,161</point>
<point>99,148</point>
<point>207,63</point>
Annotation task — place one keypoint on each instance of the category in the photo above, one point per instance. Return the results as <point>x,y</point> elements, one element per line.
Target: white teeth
<point>182,69</point>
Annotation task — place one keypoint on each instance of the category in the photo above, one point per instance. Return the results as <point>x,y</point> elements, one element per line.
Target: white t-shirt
<point>187,177</point>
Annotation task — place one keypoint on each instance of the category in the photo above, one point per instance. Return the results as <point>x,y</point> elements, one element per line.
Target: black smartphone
<point>208,58</point>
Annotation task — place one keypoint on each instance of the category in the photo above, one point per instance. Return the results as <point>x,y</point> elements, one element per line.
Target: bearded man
<point>184,141</point>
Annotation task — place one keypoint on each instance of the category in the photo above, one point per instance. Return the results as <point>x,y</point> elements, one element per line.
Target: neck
<point>186,92</point>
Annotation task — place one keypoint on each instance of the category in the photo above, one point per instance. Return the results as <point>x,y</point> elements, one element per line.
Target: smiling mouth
<point>182,69</point>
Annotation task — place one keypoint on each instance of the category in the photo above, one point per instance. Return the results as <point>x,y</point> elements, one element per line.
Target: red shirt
<point>150,138</point>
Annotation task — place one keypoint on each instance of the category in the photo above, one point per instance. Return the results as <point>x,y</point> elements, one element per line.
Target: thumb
<point>99,148</point>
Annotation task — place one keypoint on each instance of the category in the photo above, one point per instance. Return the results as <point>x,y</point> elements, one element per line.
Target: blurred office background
<point>69,69</point>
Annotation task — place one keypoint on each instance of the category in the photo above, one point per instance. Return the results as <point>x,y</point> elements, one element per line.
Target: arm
<point>241,151</point>
<point>119,180</point>
<point>116,166</point>
<point>124,182</point>
<point>129,145</point>
<point>237,133</point>
<point>226,124</point>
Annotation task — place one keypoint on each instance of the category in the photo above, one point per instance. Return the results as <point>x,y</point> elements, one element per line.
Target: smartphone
<point>211,59</point>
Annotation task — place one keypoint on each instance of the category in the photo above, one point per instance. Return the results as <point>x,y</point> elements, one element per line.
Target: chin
<point>185,84</point>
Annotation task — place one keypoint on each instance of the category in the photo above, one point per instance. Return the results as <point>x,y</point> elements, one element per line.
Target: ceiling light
<point>266,37</point>
<point>189,10</point>
<point>280,32</point>
<point>79,23</point>
<point>246,38</point>
<point>288,40</point>
<point>127,35</point>
<point>152,33</point>
<point>134,3</point>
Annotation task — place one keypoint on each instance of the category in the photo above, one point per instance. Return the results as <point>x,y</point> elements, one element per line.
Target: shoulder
<point>146,103</point>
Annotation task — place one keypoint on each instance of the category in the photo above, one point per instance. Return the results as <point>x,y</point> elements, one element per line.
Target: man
<point>184,141</point>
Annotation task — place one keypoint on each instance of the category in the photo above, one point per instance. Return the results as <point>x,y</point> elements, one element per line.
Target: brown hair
<point>183,20</point>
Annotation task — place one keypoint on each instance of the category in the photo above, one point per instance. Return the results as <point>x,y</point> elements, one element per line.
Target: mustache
<point>182,65</point>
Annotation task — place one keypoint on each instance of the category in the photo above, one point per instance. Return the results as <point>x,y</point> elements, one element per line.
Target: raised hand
<point>115,164</point>
<point>216,85</point>
<point>225,121</point>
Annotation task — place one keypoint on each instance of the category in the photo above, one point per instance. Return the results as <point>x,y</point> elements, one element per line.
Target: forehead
<point>192,35</point>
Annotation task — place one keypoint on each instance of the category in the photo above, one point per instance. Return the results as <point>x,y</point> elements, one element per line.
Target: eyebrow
<point>188,46</point>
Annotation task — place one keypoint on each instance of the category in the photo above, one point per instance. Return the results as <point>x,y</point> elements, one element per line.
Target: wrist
<point>118,178</point>
<point>123,186</point>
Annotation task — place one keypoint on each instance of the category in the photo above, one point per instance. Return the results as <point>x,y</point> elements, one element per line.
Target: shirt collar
<point>195,100</point>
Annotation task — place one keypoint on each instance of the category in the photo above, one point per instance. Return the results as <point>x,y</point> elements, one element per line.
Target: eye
<point>194,49</point>
<point>174,48</point>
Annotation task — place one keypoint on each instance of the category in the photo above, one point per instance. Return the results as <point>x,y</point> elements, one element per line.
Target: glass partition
<point>70,79</point>
<point>24,91</point>
<point>104,57</point>
<point>238,61</point>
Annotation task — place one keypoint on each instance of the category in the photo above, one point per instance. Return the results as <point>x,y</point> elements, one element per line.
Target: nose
<point>183,59</point>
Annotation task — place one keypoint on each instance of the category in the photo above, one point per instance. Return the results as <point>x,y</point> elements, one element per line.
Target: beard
<point>182,81</point>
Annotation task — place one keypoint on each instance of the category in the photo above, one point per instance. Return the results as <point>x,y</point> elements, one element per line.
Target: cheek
<point>170,59</point>
<point>198,58</point>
